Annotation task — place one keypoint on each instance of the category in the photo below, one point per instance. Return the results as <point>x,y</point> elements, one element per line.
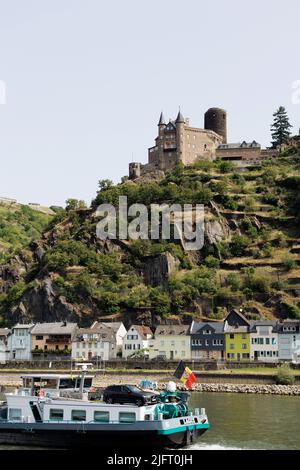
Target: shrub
<point>285,376</point>
<point>289,264</point>
<point>292,311</point>
<point>239,244</point>
<point>212,262</point>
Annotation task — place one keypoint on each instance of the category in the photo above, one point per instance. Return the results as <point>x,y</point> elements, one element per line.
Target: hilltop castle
<point>177,141</point>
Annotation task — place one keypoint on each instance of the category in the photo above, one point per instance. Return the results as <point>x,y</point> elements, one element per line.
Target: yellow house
<point>237,337</point>
<point>171,342</point>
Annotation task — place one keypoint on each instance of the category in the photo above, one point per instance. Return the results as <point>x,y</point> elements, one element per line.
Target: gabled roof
<point>254,324</point>
<point>239,145</point>
<point>173,330</point>
<point>113,325</point>
<point>142,330</point>
<point>23,325</point>
<point>4,331</point>
<point>105,334</point>
<point>57,328</point>
<point>218,327</point>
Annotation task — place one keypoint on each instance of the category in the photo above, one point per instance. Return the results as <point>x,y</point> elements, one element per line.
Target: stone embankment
<point>8,381</point>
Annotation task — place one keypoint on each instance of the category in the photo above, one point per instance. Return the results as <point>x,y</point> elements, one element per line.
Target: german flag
<point>185,375</point>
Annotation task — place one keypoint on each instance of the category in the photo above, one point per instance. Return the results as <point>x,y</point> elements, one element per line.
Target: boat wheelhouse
<point>55,384</point>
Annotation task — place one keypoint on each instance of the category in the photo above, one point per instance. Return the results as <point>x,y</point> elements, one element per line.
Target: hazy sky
<point>86,81</point>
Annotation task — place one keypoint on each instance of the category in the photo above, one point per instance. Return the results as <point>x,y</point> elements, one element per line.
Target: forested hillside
<point>251,256</point>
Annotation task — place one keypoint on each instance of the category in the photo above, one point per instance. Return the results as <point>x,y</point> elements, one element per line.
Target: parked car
<point>128,394</point>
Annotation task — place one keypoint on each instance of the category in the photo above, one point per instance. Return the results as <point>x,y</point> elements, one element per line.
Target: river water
<point>242,421</point>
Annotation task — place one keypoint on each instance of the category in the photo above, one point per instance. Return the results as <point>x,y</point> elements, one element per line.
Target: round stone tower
<point>215,119</point>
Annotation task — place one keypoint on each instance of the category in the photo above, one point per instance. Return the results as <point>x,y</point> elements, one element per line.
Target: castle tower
<point>215,119</point>
<point>180,136</point>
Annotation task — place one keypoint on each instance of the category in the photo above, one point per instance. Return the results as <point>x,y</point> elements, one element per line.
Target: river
<point>242,421</point>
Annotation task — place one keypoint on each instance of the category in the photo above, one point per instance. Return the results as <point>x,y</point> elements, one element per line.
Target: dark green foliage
<point>19,225</point>
<point>280,128</point>
<point>239,245</point>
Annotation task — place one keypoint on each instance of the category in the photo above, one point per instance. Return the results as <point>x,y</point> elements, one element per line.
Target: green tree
<point>72,204</point>
<point>280,129</point>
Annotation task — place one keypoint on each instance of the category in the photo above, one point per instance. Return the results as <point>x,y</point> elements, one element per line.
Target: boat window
<point>88,382</point>
<point>101,416</point>
<point>56,414</point>
<point>127,417</point>
<point>15,414</point>
<point>78,415</point>
<point>67,383</point>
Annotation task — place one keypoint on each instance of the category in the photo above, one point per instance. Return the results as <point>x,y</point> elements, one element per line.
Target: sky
<point>82,82</point>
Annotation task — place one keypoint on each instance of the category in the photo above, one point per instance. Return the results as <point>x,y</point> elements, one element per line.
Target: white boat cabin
<point>53,384</point>
<point>30,409</point>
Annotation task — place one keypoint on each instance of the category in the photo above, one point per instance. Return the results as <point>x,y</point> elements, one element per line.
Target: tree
<point>73,204</point>
<point>105,184</point>
<point>280,129</point>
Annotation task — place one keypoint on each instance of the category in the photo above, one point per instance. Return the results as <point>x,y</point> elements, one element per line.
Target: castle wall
<point>199,144</point>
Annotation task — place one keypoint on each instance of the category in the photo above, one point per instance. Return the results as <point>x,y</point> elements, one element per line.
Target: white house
<point>289,340</point>
<point>136,339</point>
<point>171,342</point>
<point>89,343</point>
<point>4,345</point>
<point>20,342</point>
<point>118,329</point>
<point>263,341</point>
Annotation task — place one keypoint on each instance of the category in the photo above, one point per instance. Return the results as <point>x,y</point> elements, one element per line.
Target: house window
<point>244,346</point>
<point>127,417</point>
<point>78,415</point>
<point>207,332</point>
<point>15,414</point>
<point>231,346</point>
<point>56,414</point>
<point>244,336</point>
<point>101,416</point>
<point>231,336</point>
<point>39,337</point>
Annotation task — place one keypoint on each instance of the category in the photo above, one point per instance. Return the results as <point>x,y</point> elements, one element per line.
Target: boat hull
<point>86,436</point>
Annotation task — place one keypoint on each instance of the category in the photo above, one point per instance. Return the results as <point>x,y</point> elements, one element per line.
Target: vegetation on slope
<point>19,225</point>
<point>249,267</point>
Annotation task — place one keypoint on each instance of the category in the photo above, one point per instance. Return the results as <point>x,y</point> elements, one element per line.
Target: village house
<point>237,337</point>
<point>119,332</point>
<point>20,342</point>
<point>171,342</point>
<point>136,340</point>
<point>207,341</point>
<point>94,343</point>
<point>52,338</point>
<point>4,345</point>
<point>263,341</point>
<point>289,340</point>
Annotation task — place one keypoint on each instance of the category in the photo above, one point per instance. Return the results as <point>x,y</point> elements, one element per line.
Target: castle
<point>178,141</point>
